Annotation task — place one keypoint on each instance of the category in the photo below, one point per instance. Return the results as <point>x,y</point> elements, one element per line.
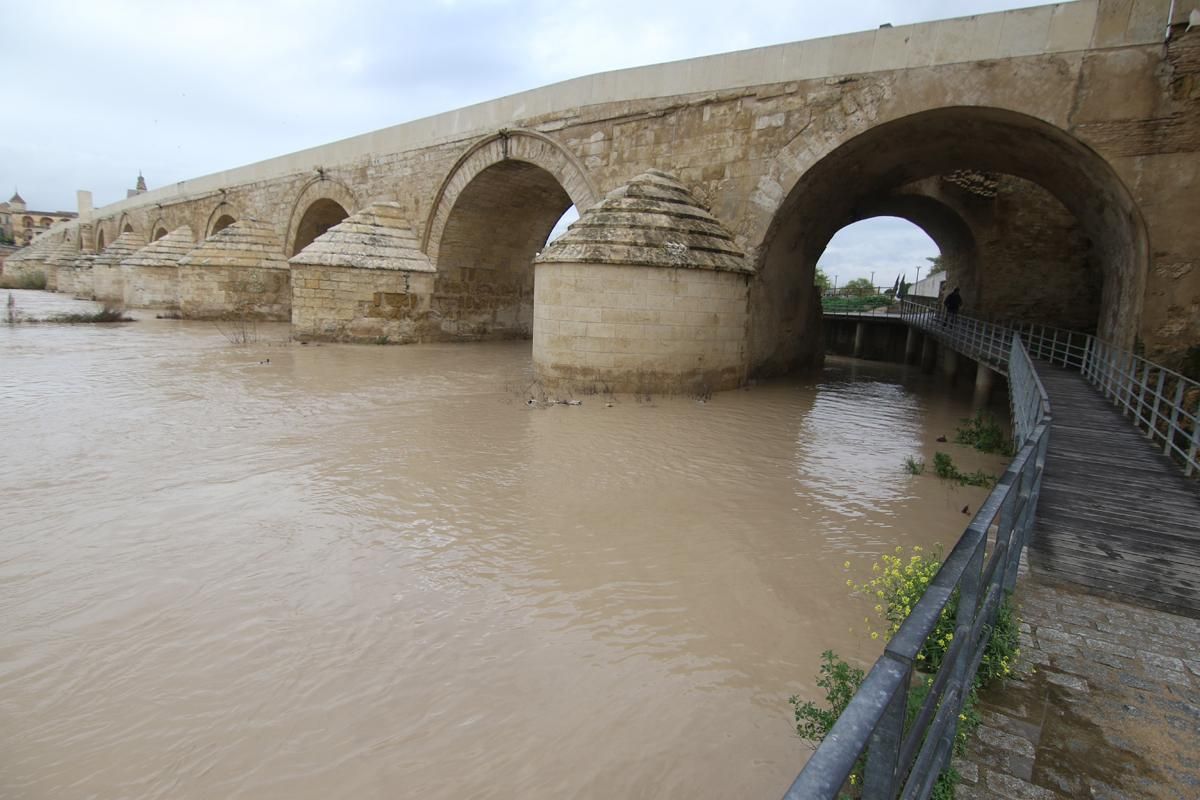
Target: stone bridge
<point>1050,152</point>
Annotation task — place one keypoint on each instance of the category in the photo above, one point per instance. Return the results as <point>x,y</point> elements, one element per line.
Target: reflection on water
<point>354,571</point>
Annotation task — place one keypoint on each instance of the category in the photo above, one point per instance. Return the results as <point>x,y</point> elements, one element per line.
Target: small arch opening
<point>318,218</point>
<point>223,222</point>
<point>158,234</point>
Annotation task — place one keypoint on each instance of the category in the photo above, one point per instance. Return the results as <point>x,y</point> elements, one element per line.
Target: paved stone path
<point>1107,704</point>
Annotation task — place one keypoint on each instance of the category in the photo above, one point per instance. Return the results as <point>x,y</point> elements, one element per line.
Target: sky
<point>101,90</point>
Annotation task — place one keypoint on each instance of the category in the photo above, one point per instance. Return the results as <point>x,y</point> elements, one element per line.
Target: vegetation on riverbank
<point>110,313</point>
<point>848,305</point>
<point>897,584</point>
<point>944,468</point>
<point>985,434</point>
<point>106,314</point>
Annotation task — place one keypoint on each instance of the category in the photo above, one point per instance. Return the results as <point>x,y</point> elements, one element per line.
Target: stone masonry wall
<point>217,292</point>
<point>347,304</point>
<point>632,329</point>
<point>151,287</point>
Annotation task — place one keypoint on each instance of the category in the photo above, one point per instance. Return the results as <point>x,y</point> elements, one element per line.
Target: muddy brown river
<point>282,571</point>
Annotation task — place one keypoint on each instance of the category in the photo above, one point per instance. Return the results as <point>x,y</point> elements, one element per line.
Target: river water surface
<point>284,571</point>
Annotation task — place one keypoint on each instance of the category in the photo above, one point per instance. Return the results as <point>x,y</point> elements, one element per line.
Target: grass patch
<point>944,468</point>
<point>843,305</point>
<point>985,434</point>
<point>914,466</point>
<point>26,280</point>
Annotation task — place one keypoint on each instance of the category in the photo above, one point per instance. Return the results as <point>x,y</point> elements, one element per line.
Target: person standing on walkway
<point>952,303</point>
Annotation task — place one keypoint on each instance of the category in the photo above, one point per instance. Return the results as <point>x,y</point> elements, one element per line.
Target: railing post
<point>1175,409</point>
<point>970,593</point>
<point>883,753</point>
<point>1190,461</point>
<point>1154,415</point>
<point>1142,404</point>
<point>1007,527</point>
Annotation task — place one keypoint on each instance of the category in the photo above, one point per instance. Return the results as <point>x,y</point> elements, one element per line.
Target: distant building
<point>21,224</point>
<point>929,286</point>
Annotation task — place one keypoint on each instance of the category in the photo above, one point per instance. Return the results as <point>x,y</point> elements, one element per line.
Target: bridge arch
<point>507,146</point>
<point>831,176</point>
<point>159,229</point>
<point>125,224</point>
<point>943,224</point>
<point>100,240</point>
<point>220,218</point>
<point>322,203</point>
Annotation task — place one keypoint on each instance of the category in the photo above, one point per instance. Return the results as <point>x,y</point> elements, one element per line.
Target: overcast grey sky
<point>99,90</point>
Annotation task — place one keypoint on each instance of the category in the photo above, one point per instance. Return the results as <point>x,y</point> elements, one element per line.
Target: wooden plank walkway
<point>1115,515</point>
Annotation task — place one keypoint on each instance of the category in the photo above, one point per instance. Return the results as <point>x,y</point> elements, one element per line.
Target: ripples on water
<point>339,571</point>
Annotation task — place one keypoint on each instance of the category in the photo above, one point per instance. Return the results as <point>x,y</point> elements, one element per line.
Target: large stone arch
<point>222,216</point>
<point>125,225</point>
<point>318,191</point>
<point>836,165</point>
<point>520,145</point>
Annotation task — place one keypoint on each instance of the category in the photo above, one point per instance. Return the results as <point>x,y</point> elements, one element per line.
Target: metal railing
<point>903,758</point>
<point>983,341</point>
<point>1160,402</point>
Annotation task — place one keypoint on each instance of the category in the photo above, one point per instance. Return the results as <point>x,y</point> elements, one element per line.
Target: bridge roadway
<point>1115,515</point>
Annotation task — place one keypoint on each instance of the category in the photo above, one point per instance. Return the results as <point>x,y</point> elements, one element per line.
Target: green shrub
<point>844,304</point>
<point>840,681</point>
<point>813,722</point>
<point>913,465</point>
<point>985,434</point>
<point>943,467</point>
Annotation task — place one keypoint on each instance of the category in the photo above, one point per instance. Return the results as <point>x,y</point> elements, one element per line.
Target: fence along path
<point>1120,509</point>
<point>1116,516</point>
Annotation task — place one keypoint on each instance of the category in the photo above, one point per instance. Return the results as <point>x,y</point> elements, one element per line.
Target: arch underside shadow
<point>322,203</point>
<point>318,218</point>
<point>220,218</point>
<point>499,222</point>
<point>868,173</point>
<point>529,147</point>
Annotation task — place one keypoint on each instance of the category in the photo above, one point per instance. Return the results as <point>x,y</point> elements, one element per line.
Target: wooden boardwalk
<point>1115,515</point>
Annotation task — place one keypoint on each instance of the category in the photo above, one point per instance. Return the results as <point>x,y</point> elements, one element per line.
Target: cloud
<point>186,88</point>
<point>883,246</point>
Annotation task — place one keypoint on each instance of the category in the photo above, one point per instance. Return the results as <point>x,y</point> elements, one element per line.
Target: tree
<point>821,280</point>
<point>936,264</point>
<point>859,287</point>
